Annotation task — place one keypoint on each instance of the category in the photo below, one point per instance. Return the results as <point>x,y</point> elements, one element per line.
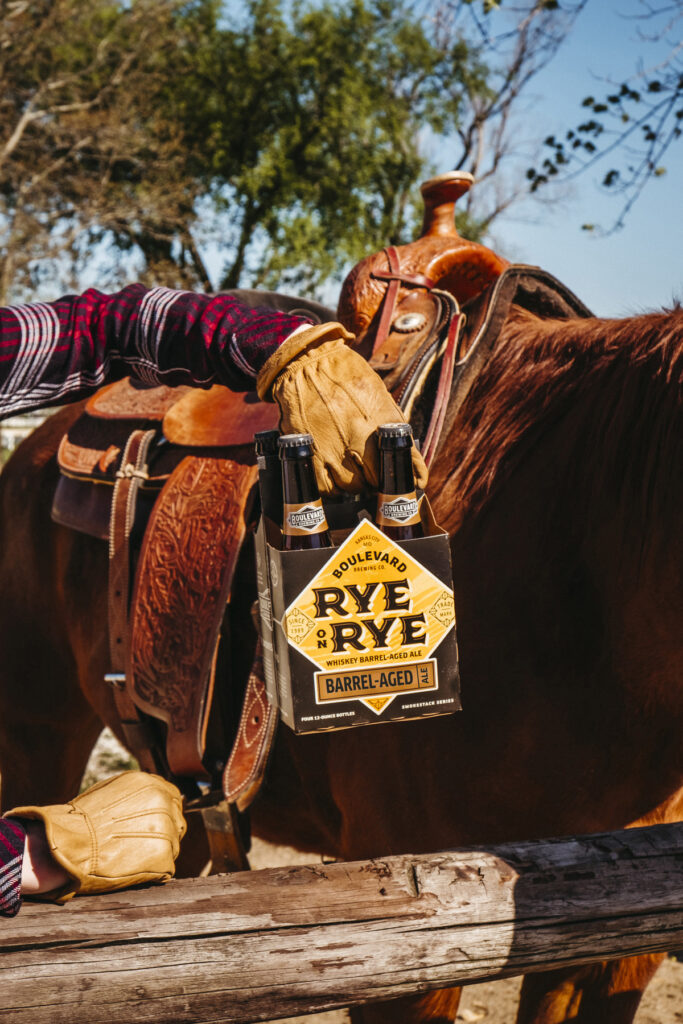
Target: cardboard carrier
<point>360,633</point>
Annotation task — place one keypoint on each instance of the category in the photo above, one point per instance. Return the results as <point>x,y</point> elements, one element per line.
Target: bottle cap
<point>266,442</point>
<point>395,430</point>
<point>287,441</point>
<point>395,436</point>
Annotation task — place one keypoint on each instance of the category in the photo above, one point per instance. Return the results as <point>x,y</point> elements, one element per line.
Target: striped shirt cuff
<point>12,839</point>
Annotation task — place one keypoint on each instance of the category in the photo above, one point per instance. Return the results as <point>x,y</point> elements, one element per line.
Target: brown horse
<point>560,483</point>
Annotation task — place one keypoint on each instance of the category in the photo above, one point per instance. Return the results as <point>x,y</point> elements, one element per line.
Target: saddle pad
<point>530,287</point>
<point>81,507</point>
<point>527,286</point>
<point>218,417</point>
<point>182,583</point>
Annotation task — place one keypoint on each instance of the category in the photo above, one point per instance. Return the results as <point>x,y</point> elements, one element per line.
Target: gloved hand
<point>326,389</point>
<point>120,832</point>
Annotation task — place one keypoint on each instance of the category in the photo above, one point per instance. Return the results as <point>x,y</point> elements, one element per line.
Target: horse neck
<point>562,488</point>
<point>603,396</point>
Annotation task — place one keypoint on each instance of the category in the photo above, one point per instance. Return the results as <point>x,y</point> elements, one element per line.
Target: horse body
<point>569,602</point>
<point>560,484</point>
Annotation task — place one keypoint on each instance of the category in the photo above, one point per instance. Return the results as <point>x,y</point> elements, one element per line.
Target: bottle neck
<point>303,518</point>
<point>398,509</point>
<point>396,471</point>
<point>270,485</point>
<point>298,481</point>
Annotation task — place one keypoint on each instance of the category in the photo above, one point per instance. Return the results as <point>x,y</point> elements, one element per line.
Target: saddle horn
<point>438,258</point>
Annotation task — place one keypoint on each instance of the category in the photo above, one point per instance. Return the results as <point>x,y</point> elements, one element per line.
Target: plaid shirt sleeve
<point>12,837</point>
<point>61,351</point>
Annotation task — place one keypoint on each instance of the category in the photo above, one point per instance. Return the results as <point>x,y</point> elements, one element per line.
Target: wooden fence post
<point>259,945</point>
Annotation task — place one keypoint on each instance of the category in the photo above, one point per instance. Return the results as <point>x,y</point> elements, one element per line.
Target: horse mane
<point>616,384</point>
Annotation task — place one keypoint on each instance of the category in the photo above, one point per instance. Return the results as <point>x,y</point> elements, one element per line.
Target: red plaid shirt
<point>55,352</point>
<point>12,838</point>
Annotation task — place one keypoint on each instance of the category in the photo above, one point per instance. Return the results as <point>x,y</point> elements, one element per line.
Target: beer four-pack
<point>356,594</point>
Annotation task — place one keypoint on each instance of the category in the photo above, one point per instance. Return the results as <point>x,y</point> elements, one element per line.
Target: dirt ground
<point>495,1002</point>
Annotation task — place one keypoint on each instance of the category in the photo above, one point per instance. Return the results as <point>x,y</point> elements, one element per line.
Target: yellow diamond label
<point>369,620</point>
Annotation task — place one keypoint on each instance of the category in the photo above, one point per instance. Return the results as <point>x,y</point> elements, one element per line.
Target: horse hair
<point>616,384</point>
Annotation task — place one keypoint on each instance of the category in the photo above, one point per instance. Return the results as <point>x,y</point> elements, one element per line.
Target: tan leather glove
<point>326,389</point>
<point>123,831</point>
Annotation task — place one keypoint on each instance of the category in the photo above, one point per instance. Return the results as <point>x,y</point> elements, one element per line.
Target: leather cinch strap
<point>131,474</point>
<point>247,763</point>
<point>443,391</point>
<point>396,278</point>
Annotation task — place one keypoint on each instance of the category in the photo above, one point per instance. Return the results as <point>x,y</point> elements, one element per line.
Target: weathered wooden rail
<point>294,940</point>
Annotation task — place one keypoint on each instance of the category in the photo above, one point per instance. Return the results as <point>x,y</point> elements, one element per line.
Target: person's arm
<point>27,867</point>
<point>61,351</point>
<point>55,352</point>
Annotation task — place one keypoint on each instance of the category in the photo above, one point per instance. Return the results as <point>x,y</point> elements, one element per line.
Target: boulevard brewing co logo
<point>370,621</point>
<point>305,517</point>
<point>399,510</point>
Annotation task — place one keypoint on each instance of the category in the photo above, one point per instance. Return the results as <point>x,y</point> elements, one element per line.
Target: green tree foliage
<point>313,123</point>
<point>627,130</point>
<point>272,141</point>
<point>85,146</point>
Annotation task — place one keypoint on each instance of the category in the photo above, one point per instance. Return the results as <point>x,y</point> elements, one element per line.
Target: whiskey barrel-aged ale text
<point>269,473</point>
<point>304,524</point>
<point>398,509</point>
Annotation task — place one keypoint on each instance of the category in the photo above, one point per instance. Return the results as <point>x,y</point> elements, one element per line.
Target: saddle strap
<point>223,833</point>
<point>443,391</point>
<point>394,277</point>
<point>248,759</point>
<point>129,477</point>
<point>412,383</point>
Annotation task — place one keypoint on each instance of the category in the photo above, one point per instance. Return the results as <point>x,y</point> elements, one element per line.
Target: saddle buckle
<point>131,472</point>
<point>117,680</point>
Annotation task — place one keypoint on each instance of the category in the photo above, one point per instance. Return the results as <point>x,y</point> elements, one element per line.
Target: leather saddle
<point>167,477</point>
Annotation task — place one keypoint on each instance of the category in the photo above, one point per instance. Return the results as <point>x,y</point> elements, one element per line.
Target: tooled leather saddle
<point>167,477</point>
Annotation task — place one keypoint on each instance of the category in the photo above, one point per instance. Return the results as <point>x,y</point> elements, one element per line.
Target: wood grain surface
<point>285,941</point>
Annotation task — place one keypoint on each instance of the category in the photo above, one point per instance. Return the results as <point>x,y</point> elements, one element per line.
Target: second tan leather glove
<point>326,389</point>
<point>120,832</point>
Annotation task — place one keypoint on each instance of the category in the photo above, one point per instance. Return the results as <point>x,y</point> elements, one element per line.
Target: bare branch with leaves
<point>628,130</point>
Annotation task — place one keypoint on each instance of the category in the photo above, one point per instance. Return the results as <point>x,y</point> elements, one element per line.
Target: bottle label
<point>305,519</point>
<point>398,509</point>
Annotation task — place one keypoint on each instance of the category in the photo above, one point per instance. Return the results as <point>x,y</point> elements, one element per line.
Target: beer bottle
<point>398,510</point>
<point>269,473</point>
<point>304,524</point>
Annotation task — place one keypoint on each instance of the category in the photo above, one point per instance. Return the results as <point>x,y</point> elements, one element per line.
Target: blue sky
<point>639,267</point>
